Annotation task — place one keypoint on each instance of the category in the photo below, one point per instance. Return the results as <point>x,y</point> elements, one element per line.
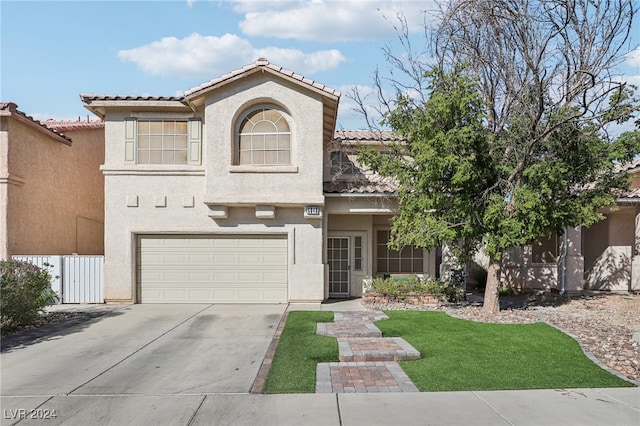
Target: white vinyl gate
<point>76,279</point>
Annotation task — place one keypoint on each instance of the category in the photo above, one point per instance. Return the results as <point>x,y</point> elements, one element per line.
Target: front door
<point>339,267</point>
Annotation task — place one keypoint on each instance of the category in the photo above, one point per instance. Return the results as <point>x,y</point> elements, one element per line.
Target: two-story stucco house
<point>231,194</point>
<point>51,188</point>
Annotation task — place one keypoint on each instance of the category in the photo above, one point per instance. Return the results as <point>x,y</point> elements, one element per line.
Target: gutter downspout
<point>563,268</point>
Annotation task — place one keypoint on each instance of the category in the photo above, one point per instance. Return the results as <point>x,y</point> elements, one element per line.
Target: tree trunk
<point>491,303</point>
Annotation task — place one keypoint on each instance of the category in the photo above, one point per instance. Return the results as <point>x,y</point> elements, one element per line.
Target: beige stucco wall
<point>54,200</point>
<point>300,183</point>
<point>5,181</point>
<point>157,199</point>
<point>607,251</point>
<point>175,205</point>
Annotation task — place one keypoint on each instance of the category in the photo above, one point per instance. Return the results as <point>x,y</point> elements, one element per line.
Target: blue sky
<point>53,51</point>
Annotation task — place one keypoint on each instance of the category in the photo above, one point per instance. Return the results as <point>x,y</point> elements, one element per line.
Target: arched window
<point>264,138</point>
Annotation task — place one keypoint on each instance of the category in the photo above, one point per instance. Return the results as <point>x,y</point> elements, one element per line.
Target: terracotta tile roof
<point>71,125</point>
<point>353,137</point>
<point>363,183</point>
<point>99,97</point>
<point>632,194</point>
<point>361,187</point>
<point>12,108</point>
<point>263,64</point>
<point>630,166</point>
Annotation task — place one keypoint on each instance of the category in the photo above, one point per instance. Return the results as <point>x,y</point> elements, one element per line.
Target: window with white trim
<point>162,141</point>
<point>357,253</point>
<point>409,259</point>
<point>264,138</point>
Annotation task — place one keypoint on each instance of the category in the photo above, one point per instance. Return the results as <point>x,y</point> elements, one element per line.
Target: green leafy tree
<point>507,136</point>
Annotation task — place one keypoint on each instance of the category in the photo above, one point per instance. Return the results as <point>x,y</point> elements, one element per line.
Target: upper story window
<point>172,142</point>
<point>162,142</point>
<point>342,164</point>
<point>264,139</point>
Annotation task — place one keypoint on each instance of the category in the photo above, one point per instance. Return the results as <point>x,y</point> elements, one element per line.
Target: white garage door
<point>212,269</point>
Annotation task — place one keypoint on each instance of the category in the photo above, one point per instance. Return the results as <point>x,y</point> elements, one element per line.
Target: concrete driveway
<point>137,350</point>
<point>190,365</point>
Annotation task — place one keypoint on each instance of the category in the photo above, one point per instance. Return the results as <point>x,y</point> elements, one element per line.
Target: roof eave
<point>57,136</point>
<point>99,106</point>
<point>192,95</point>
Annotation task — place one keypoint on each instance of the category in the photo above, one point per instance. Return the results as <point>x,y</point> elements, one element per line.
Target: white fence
<point>76,279</point>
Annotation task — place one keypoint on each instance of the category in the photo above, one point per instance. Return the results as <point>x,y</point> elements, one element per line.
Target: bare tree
<point>545,73</point>
<point>540,65</point>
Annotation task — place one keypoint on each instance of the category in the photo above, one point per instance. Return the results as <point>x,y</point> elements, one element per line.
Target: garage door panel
<point>249,276</point>
<point>274,276</point>
<point>200,259</point>
<point>212,269</point>
<point>275,259</point>
<point>225,259</point>
<point>274,294</point>
<point>249,259</point>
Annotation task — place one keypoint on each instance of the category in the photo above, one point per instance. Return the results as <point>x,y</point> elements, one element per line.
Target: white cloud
<point>305,63</point>
<point>330,21</point>
<point>193,55</point>
<point>632,58</point>
<point>197,55</point>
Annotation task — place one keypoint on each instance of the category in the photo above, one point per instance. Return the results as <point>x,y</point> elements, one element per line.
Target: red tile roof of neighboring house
<point>12,108</point>
<point>70,125</point>
<point>263,64</point>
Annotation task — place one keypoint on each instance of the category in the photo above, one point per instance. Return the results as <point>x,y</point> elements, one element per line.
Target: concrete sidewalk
<point>194,365</point>
<point>614,406</point>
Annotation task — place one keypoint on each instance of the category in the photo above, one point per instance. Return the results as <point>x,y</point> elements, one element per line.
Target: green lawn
<point>456,354</point>
<point>299,351</point>
<point>465,355</point>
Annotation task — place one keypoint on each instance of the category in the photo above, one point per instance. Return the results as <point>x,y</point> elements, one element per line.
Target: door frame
<point>357,266</point>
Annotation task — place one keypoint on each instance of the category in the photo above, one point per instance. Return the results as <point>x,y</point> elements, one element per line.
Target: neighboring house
<point>226,194</point>
<point>51,188</point>
<point>603,257</point>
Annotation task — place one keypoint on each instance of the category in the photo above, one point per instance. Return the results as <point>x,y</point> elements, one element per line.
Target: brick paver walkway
<point>367,360</point>
<point>348,329</point>
<point>361,377</point>
<point>376,349</point>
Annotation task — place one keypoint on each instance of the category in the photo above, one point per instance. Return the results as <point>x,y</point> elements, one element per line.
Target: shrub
<point>397,287</point>
<point>453,293</point>
<point>25,290</point>
<point>400,288</point>
<point>506,291</point>
<point>434,287</point>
